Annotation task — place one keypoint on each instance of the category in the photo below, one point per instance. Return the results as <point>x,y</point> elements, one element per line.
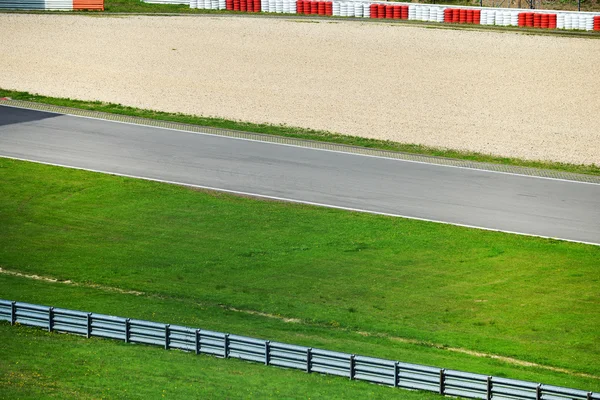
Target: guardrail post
<point>13,312</point>
<point>88,333</point>
<point>538,392</point>
<point>352,366</point>
<point>442,381</point>
<point>267,352</point>
<point>127,329</point>
<point>226,346</point>
<point>309,360</point>
<point>50,319</point>
<point>396,373</point>
<point>167,336</point>
<point>197,341</point>
<point>489,388</point>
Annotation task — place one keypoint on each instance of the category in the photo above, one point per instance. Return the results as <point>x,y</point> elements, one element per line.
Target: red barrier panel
<point>544,21</point>
<point>521,19</point>
<point>537,20</point>
<point>314,7</point>
<point>529,20</point>
<point>380,11</point>
<point>469,16</point>
<point>389,12</point>
<point>236,5</point>
<point>373,8</point>
<point>448,15</point>
<point>404,12</point>
<point>462,16</point>
<point>321,7</point>
<point>96,5</point>
<point>397,12</point>
<point>477,17</point>
<point>597,23</point>
<point>552,23</point>
<point>455,15</point>
<point>328,8</point>
<point>229,4</point>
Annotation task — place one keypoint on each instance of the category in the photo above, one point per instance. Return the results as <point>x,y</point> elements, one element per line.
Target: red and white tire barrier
<point>542,19</point>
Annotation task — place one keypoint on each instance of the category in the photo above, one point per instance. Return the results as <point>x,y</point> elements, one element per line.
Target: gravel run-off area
<point>526,96</point>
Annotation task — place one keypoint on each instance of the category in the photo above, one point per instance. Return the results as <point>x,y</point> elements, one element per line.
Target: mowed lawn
<point>39,365</point>
<point>534,299</point>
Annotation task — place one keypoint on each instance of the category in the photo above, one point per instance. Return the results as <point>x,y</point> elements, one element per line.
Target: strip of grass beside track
<point>286,131</point>
<point>39,365</point>
<point>217,318</point>
<point>196,254</point>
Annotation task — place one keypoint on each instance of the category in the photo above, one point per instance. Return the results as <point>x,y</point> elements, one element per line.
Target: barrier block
<point>389,12</point>
<point>537,20</point>
<point>404,12</point>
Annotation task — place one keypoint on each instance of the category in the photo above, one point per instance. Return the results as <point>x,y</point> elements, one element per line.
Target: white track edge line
<point>306,147</point>
<point>295,200</point>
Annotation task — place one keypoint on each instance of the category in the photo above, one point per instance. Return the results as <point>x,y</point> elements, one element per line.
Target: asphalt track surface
<point>497,201</point>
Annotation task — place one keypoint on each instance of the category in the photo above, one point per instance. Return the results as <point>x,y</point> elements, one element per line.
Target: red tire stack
<point>552,22</point>
<point>462,16</point>
<point>455,15</point>
<point>328,8</point>
<point>397,12</point>
<point>597,23</point>
<point>537,20</point>
<point>469,16</point>
<point>389,12</point>
<point>373,8</point>
<point>314,7</point>
<point>380,11</point>
<point>544,21</point>
<point>521,19</point>
<point>229,4</point>
<point>300,7</point>
<point>529,20</point>
<point>404,12</point>
<point>321,7</point>
<point>448,15</point>
<point>477,17</point>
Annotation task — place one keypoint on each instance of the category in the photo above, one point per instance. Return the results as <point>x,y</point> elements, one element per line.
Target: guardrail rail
<point>351,366</point>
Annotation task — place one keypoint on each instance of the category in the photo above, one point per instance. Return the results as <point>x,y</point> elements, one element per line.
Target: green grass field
<point>352,282</point>
<point>294,132</point>
<point>39,365</point>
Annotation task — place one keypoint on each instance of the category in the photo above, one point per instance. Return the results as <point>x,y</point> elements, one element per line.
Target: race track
<point>522,204</point>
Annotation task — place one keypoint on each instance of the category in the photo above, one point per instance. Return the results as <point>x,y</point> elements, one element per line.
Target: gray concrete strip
<point>529,205</point>
<point>502,168</point>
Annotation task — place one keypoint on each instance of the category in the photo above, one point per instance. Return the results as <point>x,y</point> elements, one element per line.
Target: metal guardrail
<point>354,367</point>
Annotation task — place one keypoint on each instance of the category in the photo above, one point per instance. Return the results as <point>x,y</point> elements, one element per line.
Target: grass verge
<point>294,132</point>
<point>75,367</point>
<point>374,279</point>
<point>214,317</point>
